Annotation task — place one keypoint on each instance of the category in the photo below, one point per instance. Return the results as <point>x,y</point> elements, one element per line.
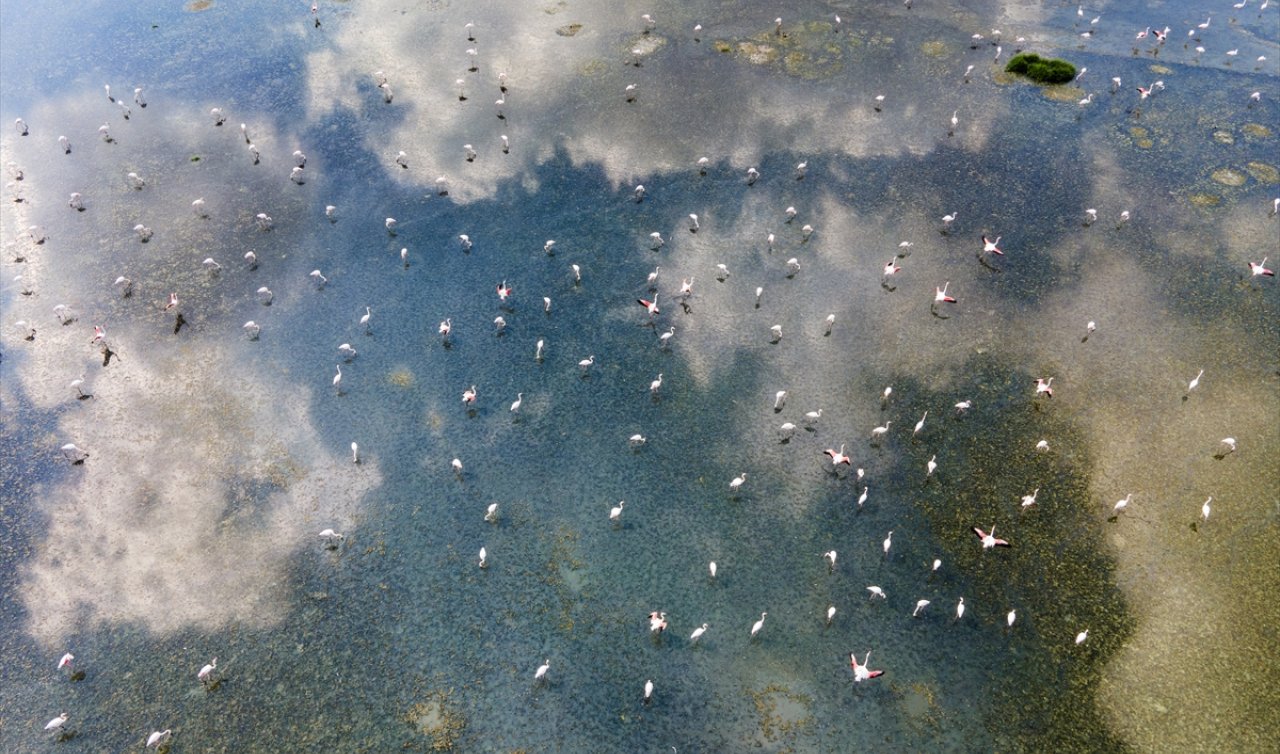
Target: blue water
<point>190,531</point>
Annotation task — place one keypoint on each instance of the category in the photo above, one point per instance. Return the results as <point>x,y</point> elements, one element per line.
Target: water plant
<point>1041,70</point>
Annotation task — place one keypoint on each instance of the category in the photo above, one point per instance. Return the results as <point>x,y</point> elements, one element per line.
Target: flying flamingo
<point>940,294</point>
<point>989,538</point>
<point>837,456</point>
<point>860,671</point>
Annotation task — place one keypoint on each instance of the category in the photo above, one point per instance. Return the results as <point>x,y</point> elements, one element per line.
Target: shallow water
<point>191,529</point>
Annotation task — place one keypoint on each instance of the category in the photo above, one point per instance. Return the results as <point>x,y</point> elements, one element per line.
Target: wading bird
<point>206,672</point>
<point>160,737</point>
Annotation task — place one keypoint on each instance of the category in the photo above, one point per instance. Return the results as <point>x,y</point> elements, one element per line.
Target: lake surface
<point>215,459</point>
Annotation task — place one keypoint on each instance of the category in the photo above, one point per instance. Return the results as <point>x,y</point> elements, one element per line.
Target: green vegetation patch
<point>1041,70</point>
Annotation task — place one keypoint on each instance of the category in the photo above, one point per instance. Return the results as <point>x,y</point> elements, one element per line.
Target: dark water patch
<point>1056,574</point>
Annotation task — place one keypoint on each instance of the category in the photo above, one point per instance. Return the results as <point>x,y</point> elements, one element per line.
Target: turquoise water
<point>190,532</point>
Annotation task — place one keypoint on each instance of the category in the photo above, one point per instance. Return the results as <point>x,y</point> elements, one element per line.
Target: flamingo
<point>650,306</point>
<point>1260,268</point>
<point>469,395</point>
<point>989,538</point>
<point>206,672</point>
<point>860,671</point>
<point>837,456</point>
<point>940,294</point>
<point>665,338</point>
<point>657,622</point>
<point>1044,386</point>
<point>991,246</point>
<point>158,737</point>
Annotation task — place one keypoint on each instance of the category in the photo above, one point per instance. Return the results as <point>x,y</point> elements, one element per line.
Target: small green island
<point>1041,70</point>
